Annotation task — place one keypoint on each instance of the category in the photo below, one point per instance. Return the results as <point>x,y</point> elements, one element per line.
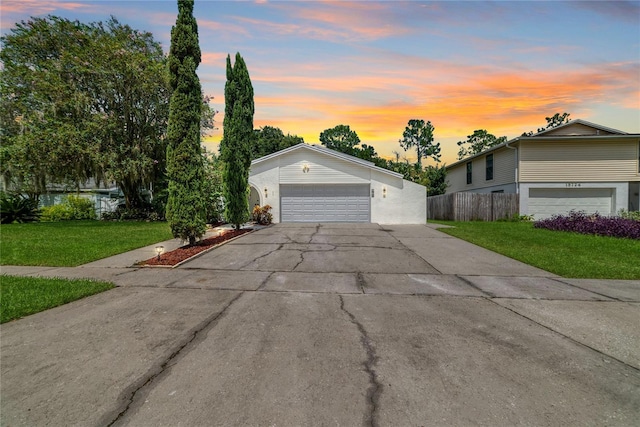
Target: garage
<point>546,202</point>
<point>311,183</point>
<point>325,203</point>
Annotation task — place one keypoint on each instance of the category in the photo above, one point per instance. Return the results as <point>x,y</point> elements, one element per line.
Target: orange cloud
<point>504,103</point>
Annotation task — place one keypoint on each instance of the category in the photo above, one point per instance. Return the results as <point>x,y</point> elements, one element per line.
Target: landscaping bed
<point>594,224</point>
<point>183,253</point>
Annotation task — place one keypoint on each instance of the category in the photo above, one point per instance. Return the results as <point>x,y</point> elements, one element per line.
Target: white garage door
<point>546,202</point>
<point>325,203</point>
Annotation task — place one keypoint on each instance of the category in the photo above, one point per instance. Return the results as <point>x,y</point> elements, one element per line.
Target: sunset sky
<point>500,66</point>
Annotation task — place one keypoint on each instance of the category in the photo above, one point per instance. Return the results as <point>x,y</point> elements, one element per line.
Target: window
<point>489,167</point>
<point>469,173</point>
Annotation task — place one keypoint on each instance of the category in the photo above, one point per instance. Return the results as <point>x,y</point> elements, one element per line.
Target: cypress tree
<point>185,166</point>
<point>235,147</point>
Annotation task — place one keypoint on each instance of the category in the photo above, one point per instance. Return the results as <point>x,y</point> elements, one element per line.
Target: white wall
<point>403,202</point>
<point>267,176</point>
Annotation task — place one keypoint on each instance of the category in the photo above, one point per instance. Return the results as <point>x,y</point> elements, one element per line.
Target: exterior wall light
<point>372,193</point>
<point>266,192</point>
<point>159,251</point>
<point>305,168</point>
<point>384,191</point>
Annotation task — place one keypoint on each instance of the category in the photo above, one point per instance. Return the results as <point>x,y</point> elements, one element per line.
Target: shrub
<point>262,215</point>
<point>16,207</point>
<point>56,213</point>
<point>595,224</point>
<point>121,213</point>
<point>71,208</point>
<point>81,207</point>
<point>517,218</point>
<point>634,215</point>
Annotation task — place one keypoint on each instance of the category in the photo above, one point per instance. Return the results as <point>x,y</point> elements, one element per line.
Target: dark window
<point>469,173</point>
<point>489,170</point>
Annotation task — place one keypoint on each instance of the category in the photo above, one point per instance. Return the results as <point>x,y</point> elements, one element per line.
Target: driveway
<point>329,324</point>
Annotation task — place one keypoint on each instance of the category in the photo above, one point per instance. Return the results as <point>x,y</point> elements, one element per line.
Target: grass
<point>72,243</point>
<point>563,253</point>
<point>22,296</point>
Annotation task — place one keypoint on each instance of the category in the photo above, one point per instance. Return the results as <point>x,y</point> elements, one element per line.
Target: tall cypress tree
<point>185,166</point>
<point>235,147</point>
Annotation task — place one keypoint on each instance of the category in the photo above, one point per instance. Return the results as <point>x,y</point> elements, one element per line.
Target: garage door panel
<point>325,203</point>
<point>546,202</point>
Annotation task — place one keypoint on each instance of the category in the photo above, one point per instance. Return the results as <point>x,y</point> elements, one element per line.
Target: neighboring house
<point>306,183</point>
<point>576,166</point>
<point>105,198</point>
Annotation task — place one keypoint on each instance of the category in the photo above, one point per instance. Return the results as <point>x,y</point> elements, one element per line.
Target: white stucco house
<point>311,183</point>
<point>578,166</point>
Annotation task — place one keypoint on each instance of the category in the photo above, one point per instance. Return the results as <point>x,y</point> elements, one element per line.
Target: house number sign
<point>573,184</point>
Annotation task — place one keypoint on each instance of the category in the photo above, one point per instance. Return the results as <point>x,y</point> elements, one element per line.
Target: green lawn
<point>22,296</point>
<point>72,243</point>
<point>563,253</point>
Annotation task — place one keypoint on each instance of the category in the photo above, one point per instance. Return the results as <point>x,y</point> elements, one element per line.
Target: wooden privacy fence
<point>472,206</point>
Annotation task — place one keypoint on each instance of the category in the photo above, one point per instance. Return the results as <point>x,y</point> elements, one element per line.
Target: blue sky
<point>500,66</point>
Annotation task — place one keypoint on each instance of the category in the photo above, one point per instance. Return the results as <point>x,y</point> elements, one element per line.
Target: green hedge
<point>71,208</point>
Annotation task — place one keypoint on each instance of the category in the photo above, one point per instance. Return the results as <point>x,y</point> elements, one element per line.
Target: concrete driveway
<point>329,324</point>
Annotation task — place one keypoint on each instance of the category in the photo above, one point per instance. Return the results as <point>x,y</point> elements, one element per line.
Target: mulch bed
<point>185,252</point>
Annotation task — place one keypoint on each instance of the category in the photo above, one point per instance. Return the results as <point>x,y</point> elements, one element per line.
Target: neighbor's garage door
<point>325,203</point>
<point>545,202</point>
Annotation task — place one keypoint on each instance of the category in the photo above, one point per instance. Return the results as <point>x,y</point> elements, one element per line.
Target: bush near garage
<point>595,224</point>
<point>262,215</point>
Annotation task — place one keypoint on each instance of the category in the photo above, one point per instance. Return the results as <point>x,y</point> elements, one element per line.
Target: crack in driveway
<point>375,387</point>
<point>144,384</point>
<point>280,245</point>
<point>299,262</point>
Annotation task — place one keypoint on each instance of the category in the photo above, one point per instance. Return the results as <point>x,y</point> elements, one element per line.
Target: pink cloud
<point>220,27</point>
<point>37,7</point>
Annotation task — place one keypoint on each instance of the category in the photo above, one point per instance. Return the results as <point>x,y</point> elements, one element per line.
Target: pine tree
<point>236,144</point>
<point>185,166</point>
